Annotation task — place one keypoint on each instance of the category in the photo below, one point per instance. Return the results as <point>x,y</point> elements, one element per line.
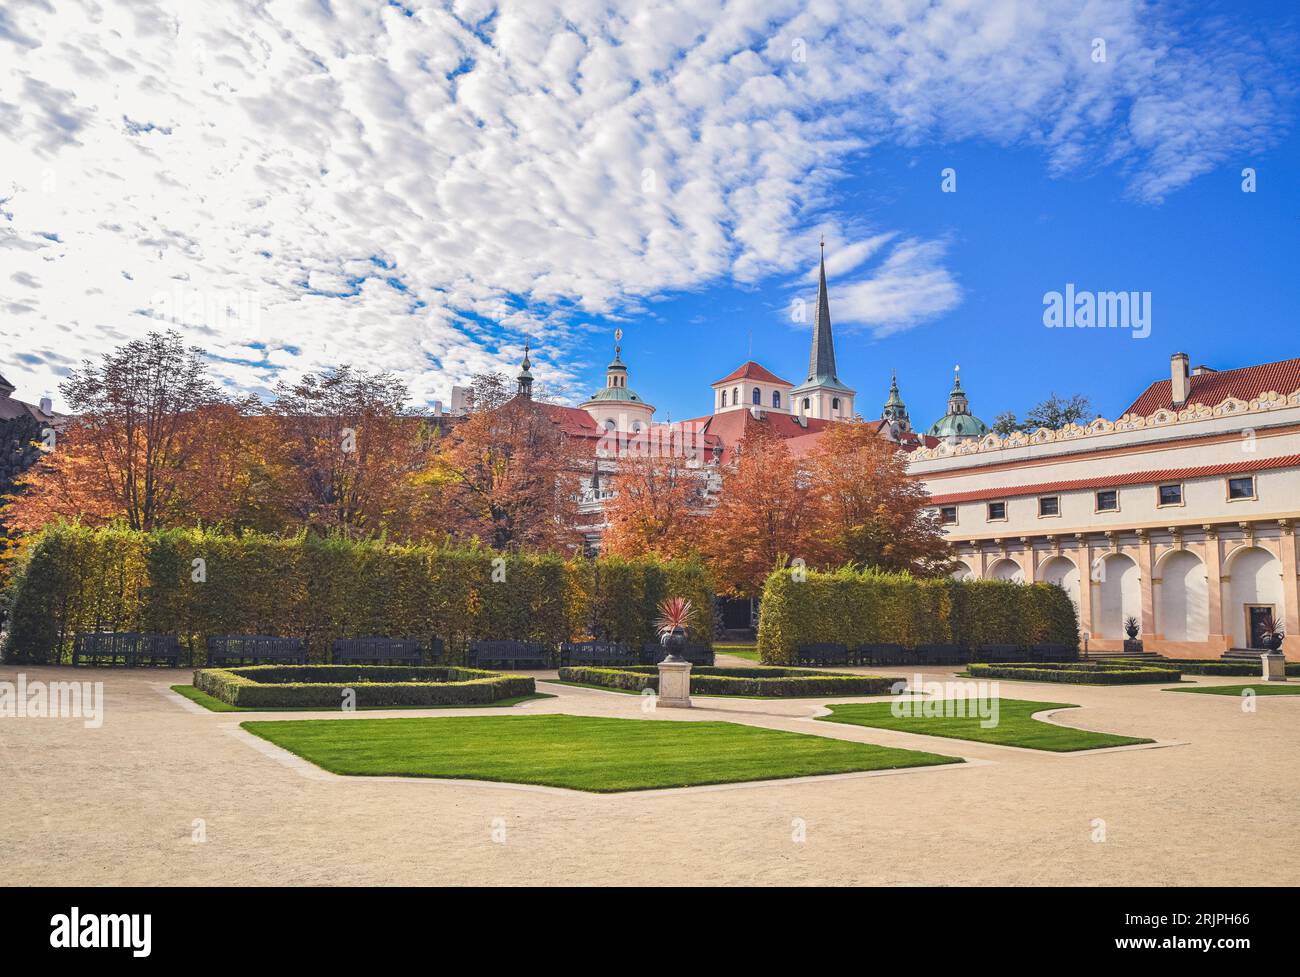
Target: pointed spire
<point>525,377</point>
<point>895,409</point>
<point>821,363</point>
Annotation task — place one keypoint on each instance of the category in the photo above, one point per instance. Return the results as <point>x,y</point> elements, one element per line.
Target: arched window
<point>611,425</point>
<point>776,398</point>
<point>806,403</point>
<point>835,403</point>
<point>722,398</point>
<point>758,397</point>
<point>735,396</point>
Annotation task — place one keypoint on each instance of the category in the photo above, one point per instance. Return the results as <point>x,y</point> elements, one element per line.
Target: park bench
<point>939,654</point>
<point>1052,653</point>
<point>652,653</point>
<point>255,649</point>
<point>596,653</point>
<point>130,648</point>
<point>823,653</point>
<point>880,654</point>
<point>999,653</point>
<point>380,651</point>
<point>508,654</point>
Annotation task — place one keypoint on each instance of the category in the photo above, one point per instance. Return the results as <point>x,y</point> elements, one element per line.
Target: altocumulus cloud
<point>420,187</point>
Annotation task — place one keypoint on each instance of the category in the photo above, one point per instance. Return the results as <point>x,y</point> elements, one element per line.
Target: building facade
<point>1180,514</point>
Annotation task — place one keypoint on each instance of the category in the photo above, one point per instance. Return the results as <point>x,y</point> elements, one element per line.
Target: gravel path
<point>118,805</point>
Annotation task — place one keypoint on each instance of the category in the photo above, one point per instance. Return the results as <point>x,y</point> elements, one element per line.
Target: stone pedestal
<point>1274,667</point>
<point>674,685</point>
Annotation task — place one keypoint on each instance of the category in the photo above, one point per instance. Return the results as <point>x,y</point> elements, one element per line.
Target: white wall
<point>1183,610</point>
<point>1117,595</point>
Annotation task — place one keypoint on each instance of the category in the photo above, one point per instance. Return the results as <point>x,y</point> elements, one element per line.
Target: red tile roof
<point>1115,481</point>
<point>1212,389</point>
<point>749,370</point>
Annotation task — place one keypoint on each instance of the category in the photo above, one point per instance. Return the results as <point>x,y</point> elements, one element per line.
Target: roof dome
<point>616,393</point>
<point>958,426</point>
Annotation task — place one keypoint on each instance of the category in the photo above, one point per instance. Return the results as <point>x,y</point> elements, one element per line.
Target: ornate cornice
<point>1231,407</point>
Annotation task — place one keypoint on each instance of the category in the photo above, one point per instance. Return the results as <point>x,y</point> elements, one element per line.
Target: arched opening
<point>1061,571</point>
<point>1183,613</point>
<point>735,396</point>
<point>806,404</point>
<point>1255,588</point>
<point>1119,596</point>
<point>962,571</point>
<point>835,404</point>
<point>776,398</point>
<point>1005,569</point>
<point>757,397</point>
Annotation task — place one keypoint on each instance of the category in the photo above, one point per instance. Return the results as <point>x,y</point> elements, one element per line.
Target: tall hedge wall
<point>862,607</point>
<point>74,579</point>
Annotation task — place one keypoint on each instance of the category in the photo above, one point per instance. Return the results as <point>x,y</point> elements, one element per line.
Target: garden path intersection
<point>165,792</point>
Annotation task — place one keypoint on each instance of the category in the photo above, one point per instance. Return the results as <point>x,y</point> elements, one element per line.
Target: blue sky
<point>424,188</point>
<point>1223,268</point>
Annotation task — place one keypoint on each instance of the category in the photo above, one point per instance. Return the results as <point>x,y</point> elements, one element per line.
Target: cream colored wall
<point>625,415</point>
<point>746,388</point>
<point>820,405</point>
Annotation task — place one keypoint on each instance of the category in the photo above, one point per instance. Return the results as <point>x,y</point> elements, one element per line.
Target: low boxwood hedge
<point>276,686</point>
<point>1199,666</point>
<point>1075,673</point>
<point>710,680</point>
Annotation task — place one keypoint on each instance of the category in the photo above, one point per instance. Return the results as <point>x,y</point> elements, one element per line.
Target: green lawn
<point>1014,728</point>
<point>748,652</point>
<point>1264,688</point>
<point>216,705</point>
<point>578,752</point>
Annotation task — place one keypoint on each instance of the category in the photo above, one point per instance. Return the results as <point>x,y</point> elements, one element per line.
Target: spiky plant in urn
<point>674,620</point>
<point>1131,627</point>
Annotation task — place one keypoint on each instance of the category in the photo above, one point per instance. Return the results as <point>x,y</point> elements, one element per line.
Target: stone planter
<point>674,684</point>
<point>1274,666</point>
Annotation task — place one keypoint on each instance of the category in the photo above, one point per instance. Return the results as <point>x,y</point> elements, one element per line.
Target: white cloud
<point>373,185</point>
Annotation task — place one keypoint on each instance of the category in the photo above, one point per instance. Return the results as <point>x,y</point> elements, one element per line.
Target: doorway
<point>1258,619</point>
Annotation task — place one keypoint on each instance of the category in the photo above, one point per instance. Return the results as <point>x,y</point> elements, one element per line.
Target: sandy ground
<point>118,805</point>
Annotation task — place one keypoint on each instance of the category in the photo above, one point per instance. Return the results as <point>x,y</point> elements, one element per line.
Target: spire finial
<point>618,339</point>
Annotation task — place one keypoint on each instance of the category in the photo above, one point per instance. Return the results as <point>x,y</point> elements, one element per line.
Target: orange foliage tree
<point>766,516</point>
<point>657,508</point>
<point>872,513</point>
<point>507,476</point>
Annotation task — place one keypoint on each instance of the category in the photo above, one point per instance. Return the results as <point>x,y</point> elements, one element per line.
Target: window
<point>1049,505</point>
<point>997,511</point>
<point>1241,488</point>
<point>758,397</point>
<point>948,514</point>
<point>835,403</point>
<point>806,403</point>
<point>1108,501</point>
<point>1169,495</point>
<point>776,398</point>
<point>735,396</point>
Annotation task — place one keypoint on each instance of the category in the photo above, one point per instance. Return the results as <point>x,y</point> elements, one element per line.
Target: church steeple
<point>525,377</point>
<point>821,363</point>
<point>895,411</point>
<point>822,395</point>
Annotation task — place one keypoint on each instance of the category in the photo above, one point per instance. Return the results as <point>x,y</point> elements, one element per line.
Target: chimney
<point>1179,374</point>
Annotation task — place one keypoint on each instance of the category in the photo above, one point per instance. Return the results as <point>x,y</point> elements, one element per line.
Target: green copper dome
<point>616,393</point>
<point>958,426</point>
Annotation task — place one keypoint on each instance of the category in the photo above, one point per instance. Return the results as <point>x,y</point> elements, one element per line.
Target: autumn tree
<point>135,449</point>
<point>348,447</point>
<point>657,505</point>
<point>508,476</point>
<point>871,512</point>
<point>765,518</point>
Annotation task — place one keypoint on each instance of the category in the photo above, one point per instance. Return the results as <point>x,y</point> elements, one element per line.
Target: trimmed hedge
<point>855,607</point>
<point>278,686</point>
<point>1197,666</point>
<point>707,680</point>
<point>73,578</point>
<point>1074,673</point>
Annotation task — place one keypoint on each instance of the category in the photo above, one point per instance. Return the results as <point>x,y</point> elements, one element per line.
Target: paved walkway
<point>118,805</point>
